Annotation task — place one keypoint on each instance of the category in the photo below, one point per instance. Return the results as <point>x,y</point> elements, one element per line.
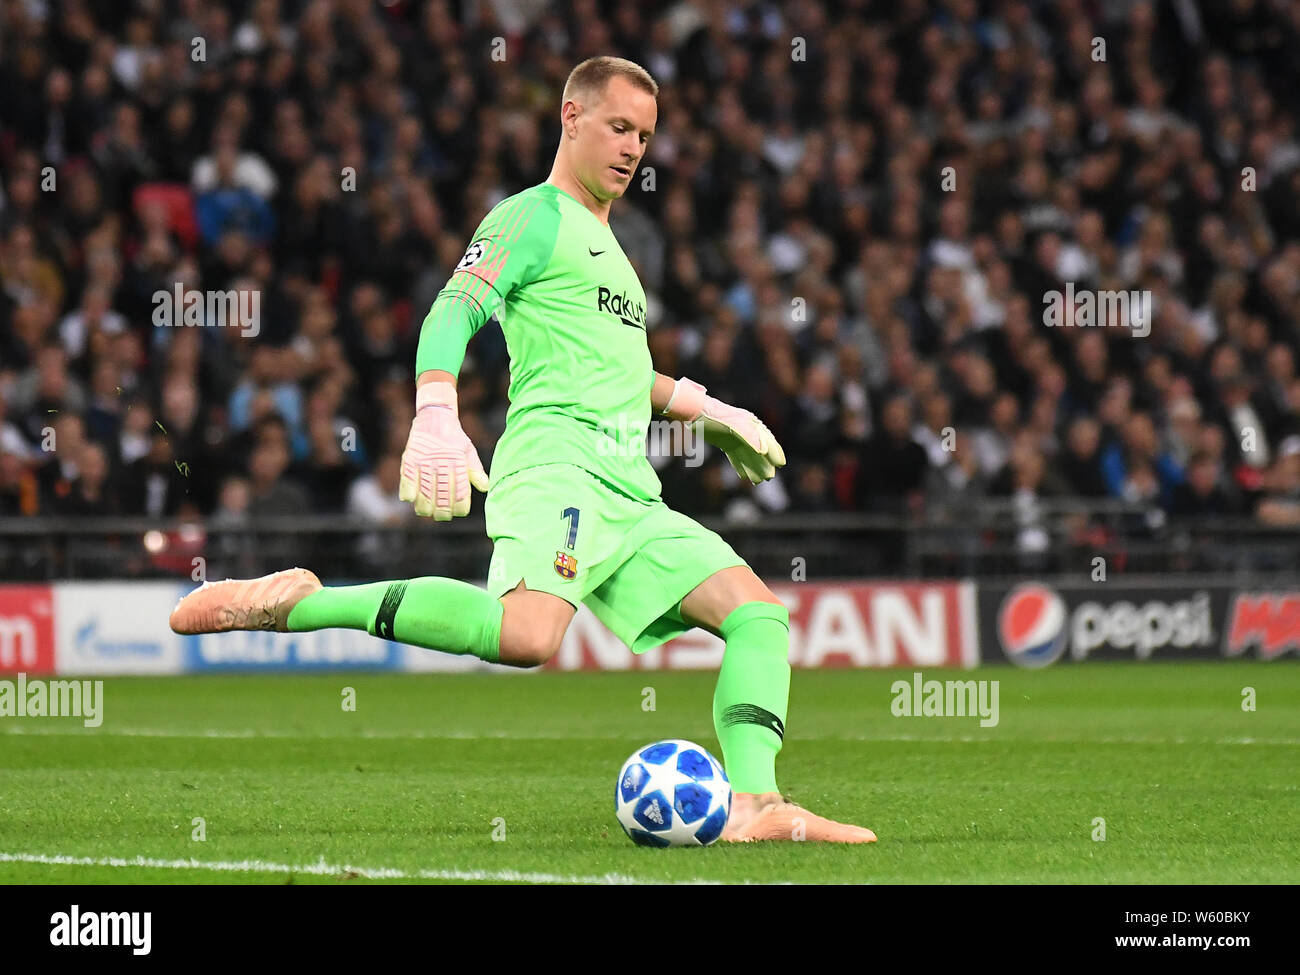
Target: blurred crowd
<point>851,220</point>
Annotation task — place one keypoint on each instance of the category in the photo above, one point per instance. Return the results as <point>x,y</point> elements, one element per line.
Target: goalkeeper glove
<point>439,463</point>
<point>743,437</point>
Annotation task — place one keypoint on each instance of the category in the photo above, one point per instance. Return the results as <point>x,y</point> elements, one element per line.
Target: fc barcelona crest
<point>566,566</point>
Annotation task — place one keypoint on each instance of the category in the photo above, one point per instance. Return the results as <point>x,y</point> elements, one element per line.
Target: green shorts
<point>563,530</point>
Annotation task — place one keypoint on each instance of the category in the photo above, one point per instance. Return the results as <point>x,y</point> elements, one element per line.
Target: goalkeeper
<point>573,505</point>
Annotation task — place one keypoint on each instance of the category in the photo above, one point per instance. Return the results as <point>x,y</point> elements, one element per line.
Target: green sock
<point>749,703</point>
<point>430,612</point>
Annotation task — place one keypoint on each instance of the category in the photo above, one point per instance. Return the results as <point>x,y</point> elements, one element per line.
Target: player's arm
<point>440,463</point>
<point>743,437</point>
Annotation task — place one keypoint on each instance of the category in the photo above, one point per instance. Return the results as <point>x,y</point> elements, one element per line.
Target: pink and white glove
<point>439,463</point>
<point>742,436</point>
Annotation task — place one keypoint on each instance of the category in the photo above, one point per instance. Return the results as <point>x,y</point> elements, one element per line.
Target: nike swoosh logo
<point>594,253</point>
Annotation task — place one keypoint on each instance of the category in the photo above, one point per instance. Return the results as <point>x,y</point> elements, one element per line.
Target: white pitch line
<point>1108,740</point>
<point>323,869</point>
<point>249,733</point>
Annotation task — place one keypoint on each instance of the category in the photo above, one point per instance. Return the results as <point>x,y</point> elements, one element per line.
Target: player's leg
<point>749,707</point>
<point>433,612</point>
<point>680,575</point>
<point>749,701</point>
<point>532,626</point>
<point>545,558</point>
<point>523,628</point>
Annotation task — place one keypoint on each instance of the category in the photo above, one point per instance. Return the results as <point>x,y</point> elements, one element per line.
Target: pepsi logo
<point>1031,625</point>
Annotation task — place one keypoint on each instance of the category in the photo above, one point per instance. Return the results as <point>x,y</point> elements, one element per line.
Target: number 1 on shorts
<point>572,515</point>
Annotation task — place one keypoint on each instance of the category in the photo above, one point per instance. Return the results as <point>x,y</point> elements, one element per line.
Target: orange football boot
<point>244,604</point>
<point>770,816</point>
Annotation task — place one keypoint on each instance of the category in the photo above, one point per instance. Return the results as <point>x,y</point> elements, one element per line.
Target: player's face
<point>612,137</point>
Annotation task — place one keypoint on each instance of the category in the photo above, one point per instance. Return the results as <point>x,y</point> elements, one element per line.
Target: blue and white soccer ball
<point>672,793</point>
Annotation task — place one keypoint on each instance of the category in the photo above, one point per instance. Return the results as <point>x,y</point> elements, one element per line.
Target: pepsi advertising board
<point>1037,624</point>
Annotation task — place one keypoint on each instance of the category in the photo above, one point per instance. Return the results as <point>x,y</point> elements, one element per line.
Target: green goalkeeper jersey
<point>574,318</point>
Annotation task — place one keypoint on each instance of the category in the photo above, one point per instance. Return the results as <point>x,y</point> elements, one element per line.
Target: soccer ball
<point>672,793</point>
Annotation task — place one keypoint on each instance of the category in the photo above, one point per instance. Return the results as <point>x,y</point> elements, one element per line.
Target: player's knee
<point>532,626</point>
<point>756,611</point>
<point>530,647</point>
<point>759,599</point>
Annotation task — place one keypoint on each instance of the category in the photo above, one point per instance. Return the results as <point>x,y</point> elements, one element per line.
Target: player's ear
<point>569,118</point>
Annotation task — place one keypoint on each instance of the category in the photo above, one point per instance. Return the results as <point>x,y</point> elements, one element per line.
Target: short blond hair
<point>592,75</point>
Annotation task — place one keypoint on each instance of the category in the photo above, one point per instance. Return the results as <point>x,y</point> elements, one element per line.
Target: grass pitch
<point>412,786</point>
